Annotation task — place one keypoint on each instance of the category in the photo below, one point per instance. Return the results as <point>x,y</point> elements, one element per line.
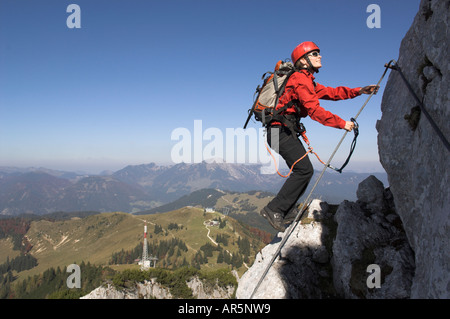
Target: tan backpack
<point>268,95</point>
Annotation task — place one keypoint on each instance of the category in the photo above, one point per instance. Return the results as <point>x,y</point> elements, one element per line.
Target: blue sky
<point>111,93</point>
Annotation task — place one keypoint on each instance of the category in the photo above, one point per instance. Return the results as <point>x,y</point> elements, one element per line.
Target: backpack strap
<point>291,121</point>
<point>281,90</point>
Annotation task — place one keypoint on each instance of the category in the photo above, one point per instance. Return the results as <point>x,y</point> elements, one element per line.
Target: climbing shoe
<point>275,219</point>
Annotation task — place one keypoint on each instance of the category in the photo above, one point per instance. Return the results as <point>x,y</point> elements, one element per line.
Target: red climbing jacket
<point>301,87</point>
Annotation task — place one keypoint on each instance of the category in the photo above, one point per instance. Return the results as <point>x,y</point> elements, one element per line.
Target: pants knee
<point>310,170</point>
<point>305,169</point>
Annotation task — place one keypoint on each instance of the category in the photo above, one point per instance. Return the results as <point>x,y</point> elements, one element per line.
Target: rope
<point>307,202</point>
<point>310,150</point>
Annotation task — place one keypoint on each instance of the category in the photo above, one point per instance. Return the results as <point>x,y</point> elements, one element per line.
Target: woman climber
<point>303,94</point>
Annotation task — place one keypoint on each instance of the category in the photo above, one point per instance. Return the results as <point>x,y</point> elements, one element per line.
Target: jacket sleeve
<point>334,94</point>
<point>309,103</point>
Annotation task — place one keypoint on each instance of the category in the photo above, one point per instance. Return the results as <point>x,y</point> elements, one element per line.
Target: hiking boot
<point>274,219</point>
<point>292,214</point>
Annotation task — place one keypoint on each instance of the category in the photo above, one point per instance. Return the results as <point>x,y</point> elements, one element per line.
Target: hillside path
<point>212,240</point>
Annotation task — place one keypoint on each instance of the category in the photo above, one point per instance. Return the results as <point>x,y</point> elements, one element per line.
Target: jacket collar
<point>307,73</point>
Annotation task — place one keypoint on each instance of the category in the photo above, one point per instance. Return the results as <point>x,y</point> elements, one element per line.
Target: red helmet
<point>302,49</point>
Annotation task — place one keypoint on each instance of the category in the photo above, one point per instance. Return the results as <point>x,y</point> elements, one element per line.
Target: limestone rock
<point>202,291</point>
<point>415,159</point>
<point>371,194</point>
<point>145,290</point>
<point>153,290</point>
<point>371,233</point>
<point>327,255</point>
<point>303,265</point>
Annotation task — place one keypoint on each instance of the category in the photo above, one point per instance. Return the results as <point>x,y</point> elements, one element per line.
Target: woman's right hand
<point>349,126</point>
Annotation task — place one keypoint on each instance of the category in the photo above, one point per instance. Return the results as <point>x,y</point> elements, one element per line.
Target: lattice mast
<point>145,261</point>
<point>145,248</point>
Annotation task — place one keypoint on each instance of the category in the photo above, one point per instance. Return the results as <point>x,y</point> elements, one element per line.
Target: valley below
<point>201,218</point>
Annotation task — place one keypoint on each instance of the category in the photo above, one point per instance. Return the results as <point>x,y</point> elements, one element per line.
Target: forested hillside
<point>36,250</point>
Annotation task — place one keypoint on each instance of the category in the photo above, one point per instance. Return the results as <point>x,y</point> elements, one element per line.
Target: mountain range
<point>137,188</point>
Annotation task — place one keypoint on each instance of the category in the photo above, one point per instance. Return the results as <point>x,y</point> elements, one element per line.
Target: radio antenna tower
<point>146,261</point>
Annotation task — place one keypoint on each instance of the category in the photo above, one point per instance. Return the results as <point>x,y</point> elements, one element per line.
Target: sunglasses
<point>314,54</point>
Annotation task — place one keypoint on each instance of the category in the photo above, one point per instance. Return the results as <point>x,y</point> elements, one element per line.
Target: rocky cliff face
<point>414,157</point>
<point>328,253</point>
<point>370,232</point>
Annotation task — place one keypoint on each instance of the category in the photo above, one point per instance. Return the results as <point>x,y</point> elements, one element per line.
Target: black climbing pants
<point>295,185</point>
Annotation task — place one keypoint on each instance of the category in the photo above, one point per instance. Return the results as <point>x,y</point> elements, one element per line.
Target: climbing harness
<point>303,207</point>
<point>422,107</point>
